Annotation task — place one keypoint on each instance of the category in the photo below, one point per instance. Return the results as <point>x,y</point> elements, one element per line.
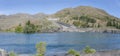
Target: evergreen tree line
<point>84,21</point>
<point>28,28</point>
<point>113,24</point>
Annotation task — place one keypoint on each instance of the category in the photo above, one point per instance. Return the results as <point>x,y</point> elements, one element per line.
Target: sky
<point>52,6</point>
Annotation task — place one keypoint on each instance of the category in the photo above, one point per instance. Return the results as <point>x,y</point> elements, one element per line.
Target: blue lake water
<point>59,42</point>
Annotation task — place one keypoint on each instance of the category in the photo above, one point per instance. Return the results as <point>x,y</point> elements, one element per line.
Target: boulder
<point>3,52</point>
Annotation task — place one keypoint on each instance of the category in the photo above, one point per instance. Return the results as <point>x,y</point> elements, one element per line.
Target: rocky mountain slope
<point>8,21</point>
<point>87,17</point>
<point>78,17</point>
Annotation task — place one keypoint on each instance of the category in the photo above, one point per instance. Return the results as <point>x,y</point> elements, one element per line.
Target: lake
<point>59,42</point>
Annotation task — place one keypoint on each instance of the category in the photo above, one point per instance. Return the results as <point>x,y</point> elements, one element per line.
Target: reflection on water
<point>57,42</point>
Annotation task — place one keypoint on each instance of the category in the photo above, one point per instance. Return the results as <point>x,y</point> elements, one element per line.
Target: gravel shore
<point>99,53</point>
<point>104,53</point>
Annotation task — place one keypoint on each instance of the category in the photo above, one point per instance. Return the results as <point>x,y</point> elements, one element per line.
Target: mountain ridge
<point>81,17</point>
<point>84,13</point>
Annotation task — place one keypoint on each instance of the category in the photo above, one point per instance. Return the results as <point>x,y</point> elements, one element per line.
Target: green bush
<point>76,23</point>
<point>29,28</point>
<point>87,19</point>
<point>39,55</point>
<point>12,54</point>
<point>83,21</point>
<point>77,54</point>
<point>88,50</point>
<point>41,48</point>
<point>73,52</point>
<point>80,24</point>
<point>113,24</point>
<point>19,29</point>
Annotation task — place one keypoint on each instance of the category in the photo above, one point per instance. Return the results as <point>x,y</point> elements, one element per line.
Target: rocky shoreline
<point>100,30</point>
<point>104,53</point>
<point>98,53</point>
<point>105,30</point>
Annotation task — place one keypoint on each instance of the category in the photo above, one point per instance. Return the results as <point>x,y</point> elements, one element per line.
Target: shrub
<point>29,28</point>
<point>76,23</point>
<point>77,54</point>
<point>88,50</point>
<point>73,52</point>
<point>87,19</point>
<point>12,54</point>
<point>113,24</point>
<point>41,48</point>
<point>19,29</point>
